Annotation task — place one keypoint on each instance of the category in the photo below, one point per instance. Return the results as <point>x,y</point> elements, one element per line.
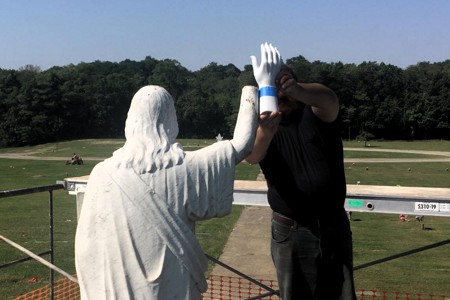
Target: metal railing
<point>270,291</point>
<point>31,255</point>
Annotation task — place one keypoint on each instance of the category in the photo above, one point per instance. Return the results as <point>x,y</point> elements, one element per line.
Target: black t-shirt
<point>304,167</point>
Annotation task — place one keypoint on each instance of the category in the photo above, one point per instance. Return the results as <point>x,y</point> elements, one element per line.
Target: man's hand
<point>268,126</point>
<point>324,102</point>
<point>268,123</point>
<point>285,80</point>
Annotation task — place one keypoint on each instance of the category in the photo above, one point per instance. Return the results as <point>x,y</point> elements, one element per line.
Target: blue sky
<point>46,33</point>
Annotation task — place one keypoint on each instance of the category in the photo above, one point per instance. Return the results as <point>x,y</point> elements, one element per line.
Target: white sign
<point>444,207</point>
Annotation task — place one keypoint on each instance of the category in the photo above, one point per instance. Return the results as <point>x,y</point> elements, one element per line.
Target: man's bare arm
<point>268,125</point>
<point>324,102</point>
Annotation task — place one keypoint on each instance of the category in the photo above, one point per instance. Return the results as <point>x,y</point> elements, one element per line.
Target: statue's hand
<point>266,72</point>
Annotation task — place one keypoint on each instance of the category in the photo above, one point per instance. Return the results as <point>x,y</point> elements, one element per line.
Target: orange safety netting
<point>223,288</point>
<point>63,289</point>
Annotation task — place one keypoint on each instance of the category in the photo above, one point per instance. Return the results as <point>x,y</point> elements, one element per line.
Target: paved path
<point>30,156</point>
<point>248,247</point>
<point>439,156</point>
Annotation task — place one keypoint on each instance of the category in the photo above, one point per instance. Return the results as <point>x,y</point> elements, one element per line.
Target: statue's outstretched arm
<point>245,130</point>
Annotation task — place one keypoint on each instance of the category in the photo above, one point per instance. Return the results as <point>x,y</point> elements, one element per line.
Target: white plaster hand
<point>265,74</point>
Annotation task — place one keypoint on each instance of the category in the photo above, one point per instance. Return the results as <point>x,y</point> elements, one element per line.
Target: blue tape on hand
<point>267,91</point>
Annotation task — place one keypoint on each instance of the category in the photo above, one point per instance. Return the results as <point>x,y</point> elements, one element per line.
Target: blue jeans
<point>314,261</point>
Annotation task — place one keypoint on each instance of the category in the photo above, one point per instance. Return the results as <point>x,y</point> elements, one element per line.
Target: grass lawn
<point>429,145</point>
<point>24,219</point>
<point>376,236</point>
<point>429,174</point>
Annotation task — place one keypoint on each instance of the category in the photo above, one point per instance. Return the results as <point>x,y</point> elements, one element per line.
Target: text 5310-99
<point>426,206</point>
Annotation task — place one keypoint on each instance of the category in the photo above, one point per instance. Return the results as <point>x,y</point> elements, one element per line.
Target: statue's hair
<point>150,130</point>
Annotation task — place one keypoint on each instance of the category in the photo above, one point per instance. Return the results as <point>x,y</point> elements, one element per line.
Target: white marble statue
<point>135,236</point>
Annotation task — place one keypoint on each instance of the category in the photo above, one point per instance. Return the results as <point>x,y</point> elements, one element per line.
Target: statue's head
<point>152,114</point>
<point>150,129</point>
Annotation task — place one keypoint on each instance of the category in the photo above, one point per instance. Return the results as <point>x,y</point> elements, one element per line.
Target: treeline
<point>91,100</point>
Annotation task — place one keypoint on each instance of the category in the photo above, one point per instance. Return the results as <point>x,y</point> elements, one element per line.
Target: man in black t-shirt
<point>300,152</point>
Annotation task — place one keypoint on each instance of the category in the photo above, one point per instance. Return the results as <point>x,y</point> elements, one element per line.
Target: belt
<point>305,222</point>
<point>283,219</point>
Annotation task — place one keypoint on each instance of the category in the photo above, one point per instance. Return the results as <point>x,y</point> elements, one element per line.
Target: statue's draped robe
<point>119,249</point>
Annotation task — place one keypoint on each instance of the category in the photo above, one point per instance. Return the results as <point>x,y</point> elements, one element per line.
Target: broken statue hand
<point>266,71</point>
<point>265,74</point>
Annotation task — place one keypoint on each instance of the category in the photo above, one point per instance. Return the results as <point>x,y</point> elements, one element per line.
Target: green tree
<point>171,75</point>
